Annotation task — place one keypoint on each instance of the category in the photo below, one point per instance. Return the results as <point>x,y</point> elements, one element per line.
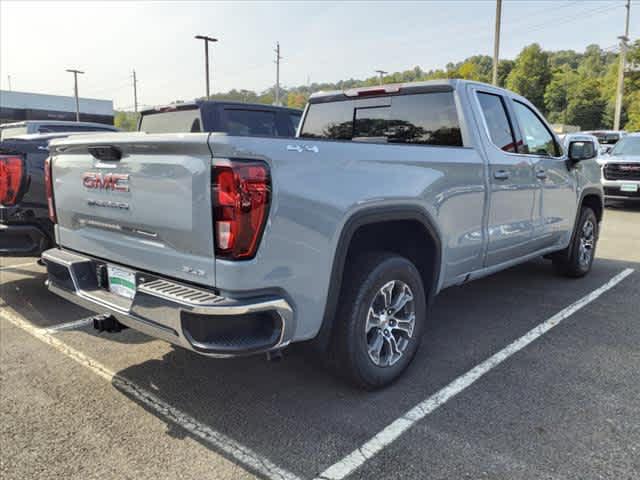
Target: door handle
<point>501,175</point>
<point>541,174</point>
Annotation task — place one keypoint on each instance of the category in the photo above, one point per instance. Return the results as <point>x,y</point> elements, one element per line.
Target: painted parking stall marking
<point>253,461</point>
<point>391,432</point>
<point>19,265</point>
<point>83,322</point>
<point>244,456</point>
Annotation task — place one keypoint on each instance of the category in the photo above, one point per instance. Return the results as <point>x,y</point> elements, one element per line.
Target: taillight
<point>240,195</point>
<point>11,177</point>
<point>48,187</point>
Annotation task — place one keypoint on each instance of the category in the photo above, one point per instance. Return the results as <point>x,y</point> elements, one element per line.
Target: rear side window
<point>419,119</point>
<point>538,139</point>
<point>172,121</point>
<point>250,122</point>
<point>495,114</point>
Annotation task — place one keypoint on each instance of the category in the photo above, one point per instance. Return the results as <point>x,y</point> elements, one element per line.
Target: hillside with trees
<point>569,87</point>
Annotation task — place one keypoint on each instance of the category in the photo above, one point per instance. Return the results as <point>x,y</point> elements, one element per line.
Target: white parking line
<point>10,267</point>
<point>392,431</point>
<point>70,325</point>
<point>241,454</point>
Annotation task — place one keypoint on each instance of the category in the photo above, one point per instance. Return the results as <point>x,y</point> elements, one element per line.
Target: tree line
<point>568,87</point>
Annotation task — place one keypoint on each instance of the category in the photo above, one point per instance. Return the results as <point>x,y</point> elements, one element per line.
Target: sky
<point>320,41</point>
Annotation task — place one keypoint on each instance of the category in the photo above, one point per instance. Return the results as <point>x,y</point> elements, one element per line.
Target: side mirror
<point>581,150</point>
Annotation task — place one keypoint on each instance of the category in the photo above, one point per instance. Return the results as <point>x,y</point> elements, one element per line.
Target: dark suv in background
<point>234,118</point>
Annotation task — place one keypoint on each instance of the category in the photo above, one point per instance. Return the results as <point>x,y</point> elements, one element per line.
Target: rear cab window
<point>415,118</point>
<point>294,121</point>
<point>10,132</point>
<point>249,123</point>
<point>72,128</point>
<point>171,121</point>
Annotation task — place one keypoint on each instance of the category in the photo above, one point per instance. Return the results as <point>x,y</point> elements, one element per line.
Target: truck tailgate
<point>149,210</point>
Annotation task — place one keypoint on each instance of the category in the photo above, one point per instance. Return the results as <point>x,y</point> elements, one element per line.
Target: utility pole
<point>206,56</point>
<point>75,90</point>
<point>9,80</point>
<point>623,52</point>
<point>382,73</point>
<point>278,58</point>
<point>135,91</point>
<point>496,42</point>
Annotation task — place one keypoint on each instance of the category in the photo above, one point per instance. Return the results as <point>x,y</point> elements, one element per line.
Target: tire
<point>577,259</point>
<point>378,281</point>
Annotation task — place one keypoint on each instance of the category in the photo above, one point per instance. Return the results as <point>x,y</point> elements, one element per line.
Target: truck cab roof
<point>26,127</point>
<point>206,104</point>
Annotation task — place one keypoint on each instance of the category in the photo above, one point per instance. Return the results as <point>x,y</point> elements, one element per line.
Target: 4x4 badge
<point>303,148</point>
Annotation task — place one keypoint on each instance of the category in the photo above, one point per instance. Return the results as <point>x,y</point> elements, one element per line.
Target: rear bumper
<point>194,318</point>
<point>19,240</point>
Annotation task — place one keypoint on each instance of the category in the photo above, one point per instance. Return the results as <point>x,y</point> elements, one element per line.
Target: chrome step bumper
<point>191,317</point>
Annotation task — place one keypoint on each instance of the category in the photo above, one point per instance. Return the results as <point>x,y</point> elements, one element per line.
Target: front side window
<point>538,139</point>
<point>419,119</point>
<point>495,114</point>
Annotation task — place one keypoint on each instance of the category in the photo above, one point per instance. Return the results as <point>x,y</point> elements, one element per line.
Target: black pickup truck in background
<point>25,227</point>
<point>233,118</point>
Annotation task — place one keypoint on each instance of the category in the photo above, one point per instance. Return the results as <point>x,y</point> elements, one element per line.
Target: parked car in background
<point>25,228</point>
<point>15,129</point>
<point>606,138</point>
<point>621,169</point>
<point>234,118</point>
<point>229,245</point>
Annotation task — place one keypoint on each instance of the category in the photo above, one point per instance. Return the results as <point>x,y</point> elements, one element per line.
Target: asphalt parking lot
<point>78,404</point>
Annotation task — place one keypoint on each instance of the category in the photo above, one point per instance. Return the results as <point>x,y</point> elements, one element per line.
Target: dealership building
<point>19,106</point>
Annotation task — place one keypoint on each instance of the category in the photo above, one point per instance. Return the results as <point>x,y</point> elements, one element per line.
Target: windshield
<point>627,146</point>
<point>607,138</point>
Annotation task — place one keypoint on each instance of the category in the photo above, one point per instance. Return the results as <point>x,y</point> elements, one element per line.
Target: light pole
<point>278,58</point>
<point>620,86</point>
<point>206,56</point>
<point>496,42</point>
<point>75,90</point>
<point>382,73</point>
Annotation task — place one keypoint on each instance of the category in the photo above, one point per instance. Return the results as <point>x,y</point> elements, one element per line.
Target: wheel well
<point>594,202</point>
<point>408,238</point>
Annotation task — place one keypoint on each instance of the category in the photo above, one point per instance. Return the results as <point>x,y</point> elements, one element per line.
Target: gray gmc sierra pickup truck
<point>229,245</point>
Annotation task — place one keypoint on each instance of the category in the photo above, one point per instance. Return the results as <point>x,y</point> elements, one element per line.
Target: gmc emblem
<point>114,182</point>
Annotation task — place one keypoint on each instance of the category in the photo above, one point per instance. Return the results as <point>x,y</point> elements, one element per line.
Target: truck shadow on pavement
<point>303,418</point>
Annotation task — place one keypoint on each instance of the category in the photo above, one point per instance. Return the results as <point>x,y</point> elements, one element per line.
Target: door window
<point>538,139</point>
<point>495,114</point>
